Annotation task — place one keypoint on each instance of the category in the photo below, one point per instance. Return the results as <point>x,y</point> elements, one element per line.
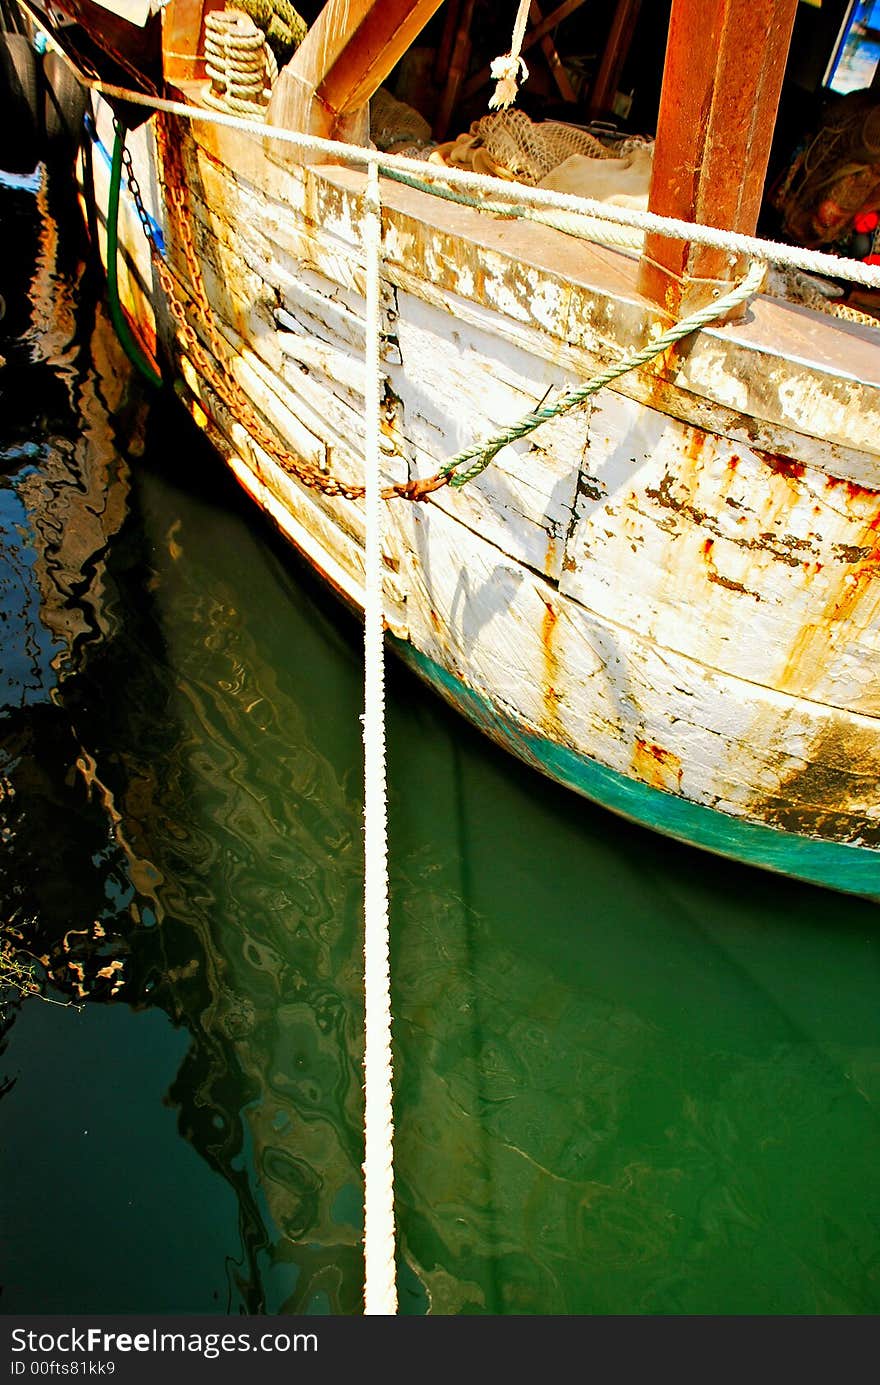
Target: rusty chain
<point>458,470</point>
<point>211,363</point>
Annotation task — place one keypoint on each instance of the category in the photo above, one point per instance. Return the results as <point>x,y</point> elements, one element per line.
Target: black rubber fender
<point>65,101</point>
<point>21,114</point>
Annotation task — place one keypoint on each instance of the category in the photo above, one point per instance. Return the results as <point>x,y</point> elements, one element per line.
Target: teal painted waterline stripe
<point>853,869</point>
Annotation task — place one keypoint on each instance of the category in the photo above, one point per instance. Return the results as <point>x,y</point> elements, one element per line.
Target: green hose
<point>117,317</point>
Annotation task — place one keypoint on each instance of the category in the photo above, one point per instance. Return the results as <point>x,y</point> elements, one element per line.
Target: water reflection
<point>629,1079</point>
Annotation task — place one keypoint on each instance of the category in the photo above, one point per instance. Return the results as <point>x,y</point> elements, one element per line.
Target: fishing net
<point>395,127</point>
<point>834,175</point>
<point>811,291</point>
<point>509,145</point>
<point>529,149</point>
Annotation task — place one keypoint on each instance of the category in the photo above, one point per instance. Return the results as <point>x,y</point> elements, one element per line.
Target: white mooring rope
<point>773,252</point>
<point>507,69</point>
<point>380,1287</point>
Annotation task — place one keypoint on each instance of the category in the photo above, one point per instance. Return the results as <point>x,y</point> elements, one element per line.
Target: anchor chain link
<point>149,225</point>
<point>211,362</point>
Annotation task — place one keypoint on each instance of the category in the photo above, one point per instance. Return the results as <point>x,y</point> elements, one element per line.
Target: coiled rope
<point>239,61</point>
<point>380,1289</point>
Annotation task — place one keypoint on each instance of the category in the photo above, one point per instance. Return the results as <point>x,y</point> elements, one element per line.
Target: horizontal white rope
<point>773,252</point>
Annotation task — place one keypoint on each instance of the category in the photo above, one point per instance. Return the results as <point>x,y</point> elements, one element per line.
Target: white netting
<point>395,127</point>
<point>795,286</point>
<point>510,145</point>
<point>623,181</point>
<point>553,155</point>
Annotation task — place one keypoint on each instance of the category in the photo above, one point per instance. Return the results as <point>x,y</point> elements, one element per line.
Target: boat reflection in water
<point>629,1078</point>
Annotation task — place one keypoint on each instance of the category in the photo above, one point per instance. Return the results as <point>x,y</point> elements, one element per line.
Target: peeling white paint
<point>639,581</point>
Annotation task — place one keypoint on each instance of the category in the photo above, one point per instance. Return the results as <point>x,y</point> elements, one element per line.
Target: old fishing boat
<point>664,592</point>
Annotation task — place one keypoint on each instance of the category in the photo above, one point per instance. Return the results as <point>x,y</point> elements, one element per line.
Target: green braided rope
<point>482,453</point>
<point>509,209</point>
<point>612,234</point>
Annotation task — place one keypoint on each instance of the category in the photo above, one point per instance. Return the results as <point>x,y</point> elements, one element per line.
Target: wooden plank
<point>784,380</point>
<point>447,40</point>
<point>345,57</point>
<point>554,62</point>
<point>456,386</point>
<point>617,46</point>
<point>458,62</point>
<point>725,61</point>
<point>183,38</point>
<point>764,567</point>
<point>564,673</point>
<point>525,506</point>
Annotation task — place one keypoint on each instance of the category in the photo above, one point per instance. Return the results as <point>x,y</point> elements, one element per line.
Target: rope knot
<point>506,72</point>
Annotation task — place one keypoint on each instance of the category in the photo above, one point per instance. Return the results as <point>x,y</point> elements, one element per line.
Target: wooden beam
<point>725,61</point>
<point>554,62</point>
<point>550,21</point>
<point>345,57</point>
<point>617,47</point>
<point>183,39</point>
<point>460,56</point>
<point>447,41</point>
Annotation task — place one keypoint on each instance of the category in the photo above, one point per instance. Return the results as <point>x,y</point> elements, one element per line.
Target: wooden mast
<point>344,58</point>
<point>725,61</point>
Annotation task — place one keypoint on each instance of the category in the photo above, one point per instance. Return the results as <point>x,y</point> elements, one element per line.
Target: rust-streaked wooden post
<point>344,58</point>
<point>725,61</point>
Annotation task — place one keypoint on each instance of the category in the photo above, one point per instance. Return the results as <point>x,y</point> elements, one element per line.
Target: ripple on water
<point>628,1079</point>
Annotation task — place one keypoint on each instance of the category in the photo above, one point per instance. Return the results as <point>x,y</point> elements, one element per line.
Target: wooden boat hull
<point>837,865</point>
<point>668,601</point>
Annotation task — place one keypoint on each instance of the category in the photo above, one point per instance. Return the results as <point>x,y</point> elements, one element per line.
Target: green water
<point>629,1078</point>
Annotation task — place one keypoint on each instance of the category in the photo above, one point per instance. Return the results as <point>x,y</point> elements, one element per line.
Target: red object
<point>865,221</point>
<point>871,259</point>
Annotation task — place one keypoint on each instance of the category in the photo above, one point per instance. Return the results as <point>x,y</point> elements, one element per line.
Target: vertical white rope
<point>380,1287</point>
<point>507,69</point>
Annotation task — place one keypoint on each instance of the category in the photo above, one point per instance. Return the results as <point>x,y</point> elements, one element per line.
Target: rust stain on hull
<point>660,768</point>
<point>715,576</point>
<point>782,466</point>
<point>853,605</point>
<point>549,692</point>
<point>830,794</point>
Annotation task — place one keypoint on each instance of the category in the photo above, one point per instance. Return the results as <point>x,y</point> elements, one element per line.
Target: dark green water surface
<point>629,1078</point>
